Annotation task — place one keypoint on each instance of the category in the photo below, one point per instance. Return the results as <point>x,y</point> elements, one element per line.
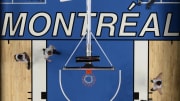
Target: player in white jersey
<point>23,57</point>
<point>47,52</point>
<point>157,84</point>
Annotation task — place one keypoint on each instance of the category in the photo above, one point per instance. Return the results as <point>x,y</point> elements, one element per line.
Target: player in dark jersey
<point>148,5</point>
<point>23,57</point>
<point>157,84</point>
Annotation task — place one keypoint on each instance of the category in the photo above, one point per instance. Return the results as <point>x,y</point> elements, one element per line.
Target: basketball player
<point>139,2</point>
<point>23,57</point>
<point>47,52</point>
<point>148,5</point>
<point>157,84</point>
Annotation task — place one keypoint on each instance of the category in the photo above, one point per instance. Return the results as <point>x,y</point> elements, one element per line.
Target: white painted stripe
<point>162,2</point>
<point>95,68</point>
<point>64,0</point>
<point>141,69</point>
<point>133,4</point>
<point>10,3</point>
<point>60,84</point>
<point>119,85</point>
<point>28,2</point>
<point>38,70</point>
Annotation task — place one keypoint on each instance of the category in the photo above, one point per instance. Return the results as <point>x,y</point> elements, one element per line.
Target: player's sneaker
<point>28,66</point>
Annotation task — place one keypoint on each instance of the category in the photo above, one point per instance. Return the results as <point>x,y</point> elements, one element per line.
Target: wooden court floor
<point>15,79</point>
<point>164,56</point>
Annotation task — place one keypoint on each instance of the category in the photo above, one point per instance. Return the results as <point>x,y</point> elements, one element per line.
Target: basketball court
<point>113,85</point>
<point>101,67</point>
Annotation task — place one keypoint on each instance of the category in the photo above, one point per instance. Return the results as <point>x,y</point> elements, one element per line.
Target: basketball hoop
<point>88,79</point>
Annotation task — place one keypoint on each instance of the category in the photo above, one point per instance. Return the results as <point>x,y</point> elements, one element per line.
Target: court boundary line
<point>162,2</point>
<point>62,90</point>
<point>119,85</point>
<point>36,89</point>
<point>138,44</point>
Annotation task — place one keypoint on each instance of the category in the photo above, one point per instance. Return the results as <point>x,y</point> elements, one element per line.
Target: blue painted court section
<point>164,1</point>
<point>148,0</point>
<point>20,1</point>
<point>5,1</point>
<point>26,0</point>
<point>171,1</point>
<point>120,54</point>
<point>117,7</point>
